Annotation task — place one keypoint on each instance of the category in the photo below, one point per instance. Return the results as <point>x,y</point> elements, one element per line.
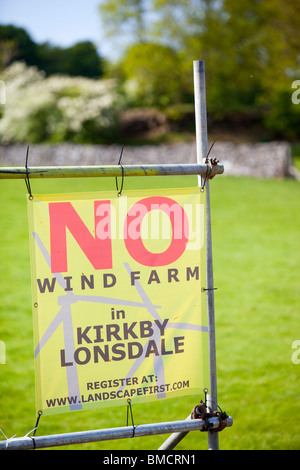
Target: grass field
<point>256,252</point>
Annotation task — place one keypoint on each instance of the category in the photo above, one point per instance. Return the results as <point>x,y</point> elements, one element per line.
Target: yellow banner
<point>117,303</point>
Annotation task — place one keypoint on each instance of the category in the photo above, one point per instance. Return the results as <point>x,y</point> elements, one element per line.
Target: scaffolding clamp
<point>202,412</point>
<point>212,168</point>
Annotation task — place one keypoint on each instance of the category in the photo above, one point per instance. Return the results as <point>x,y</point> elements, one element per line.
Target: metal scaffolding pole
<point>83,437</point>
<point>207,170</point>
<point>202,151</point>
<point>174,439</point>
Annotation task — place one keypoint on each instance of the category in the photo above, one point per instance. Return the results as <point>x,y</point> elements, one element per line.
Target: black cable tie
<point>205,390</point>
<point>37,422</point>
<point>27,181</point>
<point>33,441</point>
<point>206,159</point>
<point>119,163</point>
<point>203,289</point>
<point>131,414</point>
<point>34,429</point>
<point>207,162</point>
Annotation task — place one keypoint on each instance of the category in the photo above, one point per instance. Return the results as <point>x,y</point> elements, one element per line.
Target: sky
<point>60,22</point>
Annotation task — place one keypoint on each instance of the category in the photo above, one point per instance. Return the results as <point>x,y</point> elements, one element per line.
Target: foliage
<point>250,50</point>
<point>152,75</point>
<point>80,59</point>
<point>282,116</point>
<point>251,59</point>
<point>15,45</point>
<point>123,17</point>
<point>57,108</point>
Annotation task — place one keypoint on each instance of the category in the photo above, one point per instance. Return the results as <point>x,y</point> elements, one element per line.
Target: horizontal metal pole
<point>208,171</point>
<point>39,442</point>
<point>174,439</point>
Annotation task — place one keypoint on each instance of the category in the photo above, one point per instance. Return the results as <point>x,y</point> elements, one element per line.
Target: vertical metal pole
<point>202,149</point>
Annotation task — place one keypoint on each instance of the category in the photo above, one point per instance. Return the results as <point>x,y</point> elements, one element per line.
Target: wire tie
<point>119,163</point>
<point>34,429</point>
<point>7,439</point>
<point>207,169</point>
<point>27,182</point>
<point>131,414</point>
<point>205,390</point>
<point>3,434</point>
<point>37,421</point>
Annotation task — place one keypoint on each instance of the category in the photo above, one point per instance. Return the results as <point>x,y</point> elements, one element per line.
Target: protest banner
<point>118,307</point>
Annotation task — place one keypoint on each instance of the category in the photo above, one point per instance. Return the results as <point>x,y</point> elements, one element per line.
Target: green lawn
<point>256,251</point>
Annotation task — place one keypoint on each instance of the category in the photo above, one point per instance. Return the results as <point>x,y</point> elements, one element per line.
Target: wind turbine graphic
<point>64,316</point>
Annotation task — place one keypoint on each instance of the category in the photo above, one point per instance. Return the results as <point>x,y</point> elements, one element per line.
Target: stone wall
<point>262,160</point>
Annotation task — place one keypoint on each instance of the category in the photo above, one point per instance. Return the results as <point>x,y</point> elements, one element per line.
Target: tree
<point>250,48</point>
<point>123,17</point>
<point>57,108</point>
<point>80,59</point>
<point>51,59</point>
<point>83,59</point>
<point>152,75</point>
<point>16,44</point>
